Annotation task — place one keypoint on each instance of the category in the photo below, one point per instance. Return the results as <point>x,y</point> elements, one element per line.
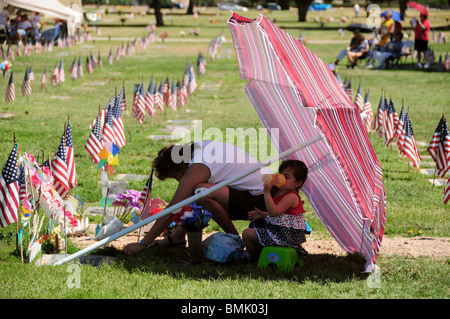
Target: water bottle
<point>277,179</point>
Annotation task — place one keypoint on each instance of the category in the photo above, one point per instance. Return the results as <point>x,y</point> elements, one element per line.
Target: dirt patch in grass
<point>411,247</point>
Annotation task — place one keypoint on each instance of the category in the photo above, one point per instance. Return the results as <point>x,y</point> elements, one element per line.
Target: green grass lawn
<point>38,122</point>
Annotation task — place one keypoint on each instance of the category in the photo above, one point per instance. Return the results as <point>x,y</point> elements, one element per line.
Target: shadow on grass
<point>175,262</point>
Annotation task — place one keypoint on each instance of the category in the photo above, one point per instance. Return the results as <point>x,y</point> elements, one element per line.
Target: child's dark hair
<point>300,169</point>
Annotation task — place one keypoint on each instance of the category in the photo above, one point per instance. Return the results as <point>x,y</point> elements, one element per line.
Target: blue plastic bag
<point>221,247</point>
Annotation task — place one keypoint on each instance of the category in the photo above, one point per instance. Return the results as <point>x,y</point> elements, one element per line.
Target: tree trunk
<point>402,4</point>
<point>190,8</point>
<point>158,14</point>
<point>284,4</point>
<point>302,6</point>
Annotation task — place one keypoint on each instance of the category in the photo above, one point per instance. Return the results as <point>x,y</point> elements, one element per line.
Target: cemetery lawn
<point>414,207</point>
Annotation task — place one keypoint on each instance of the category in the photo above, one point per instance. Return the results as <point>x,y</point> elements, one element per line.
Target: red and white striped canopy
<point>294,91</point>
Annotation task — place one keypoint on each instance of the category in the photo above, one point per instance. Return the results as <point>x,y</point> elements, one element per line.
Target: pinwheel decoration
<point>109,156</point>
<point>26,212</point>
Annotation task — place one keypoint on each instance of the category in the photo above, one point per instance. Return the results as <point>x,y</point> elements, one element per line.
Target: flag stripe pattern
<point>70,158</point>
<point>119,131</point>
<point>59,170</point>
<point>409,144</point>
<point>9,190</point>
<point>10,90</point>
<point>439,148</point>
<point>26,85</point>
<point>94,143</point>
<point>146,197</point>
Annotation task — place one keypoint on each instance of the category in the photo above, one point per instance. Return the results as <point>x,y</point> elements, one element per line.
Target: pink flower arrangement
<point>124,203</point>
<point>71,219</point>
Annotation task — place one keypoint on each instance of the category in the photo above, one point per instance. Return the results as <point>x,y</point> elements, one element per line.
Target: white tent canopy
<point>48,7</point>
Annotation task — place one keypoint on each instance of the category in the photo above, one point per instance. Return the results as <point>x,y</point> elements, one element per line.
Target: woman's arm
<point>194,175</point>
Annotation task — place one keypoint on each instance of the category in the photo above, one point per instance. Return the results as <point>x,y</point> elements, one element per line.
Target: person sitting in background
<point>359,47</point>
<point>25,27</point>
<point>360,51</point>
<point>390,52</point>
<point>387,30</point>
<point>12,31</point>
<point>4,16</point>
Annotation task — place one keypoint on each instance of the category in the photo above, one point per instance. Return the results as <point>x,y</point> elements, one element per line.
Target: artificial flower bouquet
<point>125,203</point>
<point>192,217</point>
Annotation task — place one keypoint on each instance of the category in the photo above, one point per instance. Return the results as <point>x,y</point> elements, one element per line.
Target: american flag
<point>80,68</point>
<point>391,123</point>
<point>186,75</point>
<point>62,75</point>
<point>379,119</point>
<point>359,101</point>
<point>74,70</point>
<point>89,67</point>
<point>159,101</point>
<point>119,131</point>
<point>38,47</point>
<point>201,64</point>
<point>146,197</point>
<point>439,147</point>
<point>18,51</point>
<point>368,111</point>
<point>44,77</point>
<point>118,54</point>
<point>166,90</point>
<point>110,57</point>
<point>23,194</point>
<point>27,49</point>
<point>149,101</point>
<point>447,62</point>
<point>400,132</point>
<point>31,74</point>
<point>26,85</point>
<point>48,46</point>
<point>9,190</point>
<point>108,127</point>
<point>59,170</point>
<point>141,99</point>
<point>10,90</point>
<point>349,89</point>
<point>410,147</point>
<point>447,192</point>
<point>182,95</point>
<point>94,143</point>
<point>122,99</point>
<point>100,62</point>
<point>192,82</point>
<point>70,158</point>
<point>93,61</point>
<point>172,97</point>
<point>10,54</point>
<point>139,104</point>
<point>55,75</point>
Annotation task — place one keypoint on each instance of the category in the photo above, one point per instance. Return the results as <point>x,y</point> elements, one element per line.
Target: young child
<point>284,224</point>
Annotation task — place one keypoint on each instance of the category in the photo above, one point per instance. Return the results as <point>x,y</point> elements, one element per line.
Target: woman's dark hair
<point>172,159</point>
<point>300,169</point>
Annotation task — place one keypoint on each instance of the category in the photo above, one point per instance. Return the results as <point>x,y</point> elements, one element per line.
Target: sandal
<point>171,244</point>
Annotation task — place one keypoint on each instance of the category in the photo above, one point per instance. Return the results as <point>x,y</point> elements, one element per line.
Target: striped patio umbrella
<point>294,91</point>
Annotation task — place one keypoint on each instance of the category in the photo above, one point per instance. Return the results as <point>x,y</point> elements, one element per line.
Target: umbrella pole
<point>189,200</point>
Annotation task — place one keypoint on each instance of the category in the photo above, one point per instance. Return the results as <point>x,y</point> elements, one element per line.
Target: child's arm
<point>256,214</point>
<point>288,201</point>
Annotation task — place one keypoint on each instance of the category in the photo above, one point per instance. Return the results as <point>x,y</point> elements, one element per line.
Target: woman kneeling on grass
<point>199,165</point>
<point>284,224</point>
